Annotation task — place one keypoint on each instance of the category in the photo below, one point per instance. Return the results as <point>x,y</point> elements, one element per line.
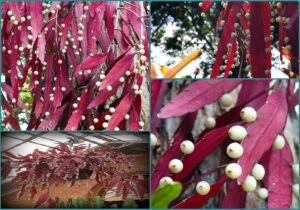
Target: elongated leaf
<point>118,70</point>
<point>165,194</point>
<point>91,62</point>
<point>42,199</point>
<point>226,36</point>
<point>261,134</point>
<point>195,96</point>
<point>235,197</point>
<point>206,6</point>
<point>198,201</point>
<point>161,169</point>
<point>278,178</point>
<point>37,20</point>
<point>121,110</point>
<point>260,15</point>
<point>231,58</point>
<point>203,147</point>
<point>76,115</point>
<point>51,122</point>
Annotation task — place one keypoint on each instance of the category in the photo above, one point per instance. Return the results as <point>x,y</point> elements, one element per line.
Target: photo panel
<point>215,39</point>
<point>75,169</point>
<point>75,65</point>
<point>225,144</point>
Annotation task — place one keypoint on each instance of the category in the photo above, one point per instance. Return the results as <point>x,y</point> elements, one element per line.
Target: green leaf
<point>165,194</point>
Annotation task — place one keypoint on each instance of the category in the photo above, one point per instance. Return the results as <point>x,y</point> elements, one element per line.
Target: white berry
<point>187,147</point>
<point>295,168</point>
<point>279,142</point>
<point>237,133</point>
<point>75,105</point>
<point>92,127</point>
<point>296,190</point>
<point>166,179</point>
<point>226,100</point>
<point>262,193</point>
<point>234,150</point>
<point>209,122</point>
<point>250,184</point>
<point>233,170</point>
<point>153,140</point>
<point>175,166</point>
<point>202,188</point>
<point>105,125</point>
<point>95,120</point>
<point>258,171</point>
<point>248,114</point>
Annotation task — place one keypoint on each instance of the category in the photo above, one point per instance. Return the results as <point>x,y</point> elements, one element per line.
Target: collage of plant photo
<point>149,104</point>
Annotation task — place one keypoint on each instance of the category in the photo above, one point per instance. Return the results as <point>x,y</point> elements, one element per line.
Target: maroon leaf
<point>118,70</point>
<point>261,134</point>
<point>37,20</point>
<point>42,199</point>
<point>121,110</point>
<point>234,8</point>
<point>235,197</point>
<point>110,9</point>
<point>77,113</point>
<point>190,100</point>
<point>278,178</point>
<point>203,147</point>
<point>198,201</point>
<point>161,169</point>
<point>91,62</point>
<point>231,58</point>
<point>260,15</point>
<point>51,122</point>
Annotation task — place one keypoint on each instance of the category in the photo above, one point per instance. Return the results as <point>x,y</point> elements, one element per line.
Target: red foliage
<point>63,52</point>
<point>64,164</point>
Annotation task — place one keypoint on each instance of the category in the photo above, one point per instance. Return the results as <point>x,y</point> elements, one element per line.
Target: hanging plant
<point>74,65</point>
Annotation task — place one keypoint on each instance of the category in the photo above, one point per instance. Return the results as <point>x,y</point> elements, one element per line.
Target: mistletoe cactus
<point>74,65</point>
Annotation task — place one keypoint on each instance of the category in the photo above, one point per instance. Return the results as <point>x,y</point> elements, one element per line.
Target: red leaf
<point>76,115</point>
<point>42,199</point>
<point>121,110</point>
<point>198,201</point>
<point>135,113</point>
<point>278,178</point>
<point>260,15</point>
<point>235,197</point>
<point>231,58</point>
<point>51,122</point>
<point>37,20</point>
<point>203,147</point>
<point>261,134</point>
<point>161,169</point>
<point>91,62</point>
<point>226,36</point>
<point>110,10</point>
<point>195,96</point>
<point>117,70</point>
<point>206,6</point>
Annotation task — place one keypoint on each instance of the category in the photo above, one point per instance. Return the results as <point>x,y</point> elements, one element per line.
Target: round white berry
<point>63,89</point>
<point>153,140</point>
<point>258,171</point>
<point>112,109</point>
<point>141,124</point>
<point>47,114</point>
<point>296,190</point>
<point>209,122</point>
<point>295,168</point>
<point>237,133</point>
<point>166,179</point>
<point>92,127</point>
<point>107,117</point>
<point>105,125</point>
<point>187,147</point>
<point>36,82</point>
<point>75,105</point>
<point>175,166</point>
<point>234,150</point>
<point>226,100</point>
<point>122,79</point>
<point>248,114</point>
<point>127,116</point>
<point>82,117</point>
<point>98,83</point>
<point>262,193</point>
<point>233,170</point>
<point>60,61</point>
<point>95,120</point>
<point>109,87</point>
<point>13,100</point>
<point>250,184</point>
<point>279,142</point>
<point>202,188</point>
